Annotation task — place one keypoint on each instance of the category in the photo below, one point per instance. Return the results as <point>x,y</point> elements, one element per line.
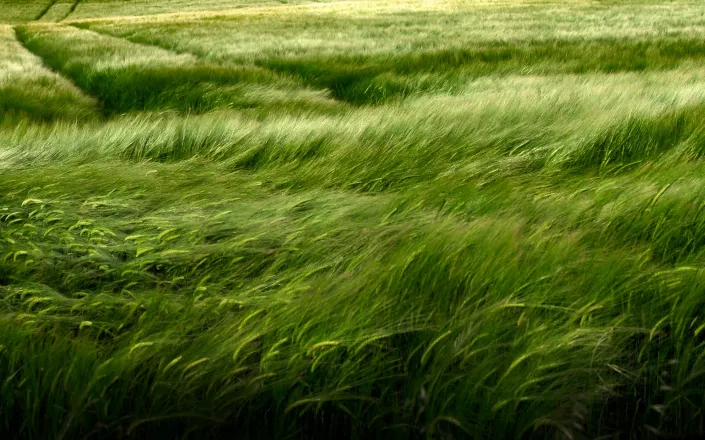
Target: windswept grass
<point>380,219</point>
<point>170,281</point>
<point>403,53</point>
<point>125,76</point>
<point>526,123</point>
<point>30,91</point>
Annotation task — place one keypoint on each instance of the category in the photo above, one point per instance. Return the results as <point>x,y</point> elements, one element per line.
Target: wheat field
<point>363,219</point>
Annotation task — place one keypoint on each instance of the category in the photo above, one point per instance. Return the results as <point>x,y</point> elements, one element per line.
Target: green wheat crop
<point>389,219</point>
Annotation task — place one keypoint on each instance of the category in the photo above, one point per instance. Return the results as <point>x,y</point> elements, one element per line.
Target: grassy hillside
<point>376,219</point>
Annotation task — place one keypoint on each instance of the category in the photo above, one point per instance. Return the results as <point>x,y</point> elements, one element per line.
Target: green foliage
<point>288,224</point>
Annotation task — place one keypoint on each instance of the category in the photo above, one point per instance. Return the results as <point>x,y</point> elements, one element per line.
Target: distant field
<point>18,11</point>
<point>373,219</point>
